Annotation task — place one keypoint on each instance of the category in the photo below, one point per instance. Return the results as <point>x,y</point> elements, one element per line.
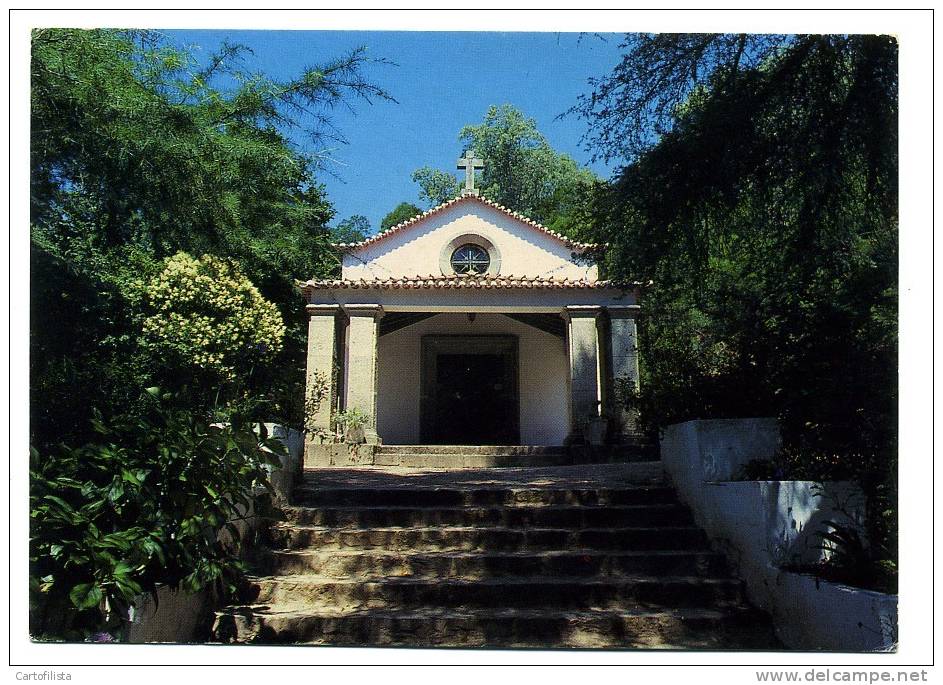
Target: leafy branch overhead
<point>206,152</point>
<point>139,151</point>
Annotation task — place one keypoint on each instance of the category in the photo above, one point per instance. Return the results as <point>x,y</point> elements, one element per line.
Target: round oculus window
<point>470,259</point>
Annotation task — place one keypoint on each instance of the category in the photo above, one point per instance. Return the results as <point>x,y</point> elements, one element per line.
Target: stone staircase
<point>496,456</point>
<point>600,556</point>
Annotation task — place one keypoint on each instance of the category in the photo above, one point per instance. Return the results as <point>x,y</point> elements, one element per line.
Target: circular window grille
<point>470,259</point>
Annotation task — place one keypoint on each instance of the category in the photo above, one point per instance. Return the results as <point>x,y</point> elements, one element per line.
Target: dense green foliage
<point>522,171</point>
<point>141,159</point>
<point>136,155</point>
<point>142,505</point>
<point>436,186</point>
<point>353,229</point>
<point>403,212</point>
<point>760,199</point>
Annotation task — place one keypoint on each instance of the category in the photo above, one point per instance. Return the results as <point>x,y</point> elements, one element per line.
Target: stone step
<point>520,592</point>
<point>520,450</point>
<point>310,493</point>
<point>314,494</point>
<point>458,538</point>
<point>465,565</point>
<point>555,516</point>
<point>497,450</point>
<point>476,460</point>
<point>735,627</point>
<point>556,556</point>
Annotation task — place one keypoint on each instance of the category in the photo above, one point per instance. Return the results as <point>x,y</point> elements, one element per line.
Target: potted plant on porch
<point>350,425</point>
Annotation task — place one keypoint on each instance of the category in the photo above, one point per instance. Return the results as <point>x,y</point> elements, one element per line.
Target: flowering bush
<point>205,314</point>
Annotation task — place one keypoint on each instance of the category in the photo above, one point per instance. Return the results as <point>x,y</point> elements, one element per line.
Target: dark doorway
<point>469,390</point>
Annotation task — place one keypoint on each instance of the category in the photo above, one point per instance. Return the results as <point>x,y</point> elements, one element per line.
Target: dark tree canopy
<point>760,198</point>
<point>139,152</point>
<point>403,212</point>
<point>353,229</point>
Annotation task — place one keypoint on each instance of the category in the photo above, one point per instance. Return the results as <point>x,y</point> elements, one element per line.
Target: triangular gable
<point>415,224</point>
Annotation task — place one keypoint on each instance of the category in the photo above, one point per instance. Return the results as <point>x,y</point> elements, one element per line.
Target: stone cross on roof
<point>469,164</point>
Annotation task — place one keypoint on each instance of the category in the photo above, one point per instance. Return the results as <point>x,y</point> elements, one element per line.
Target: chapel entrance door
<point>469,390</point>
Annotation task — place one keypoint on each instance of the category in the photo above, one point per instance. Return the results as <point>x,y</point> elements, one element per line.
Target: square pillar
<point>585,385</point>
<point>623,343</point>
<point>360,386</point>
<point>319,372</point>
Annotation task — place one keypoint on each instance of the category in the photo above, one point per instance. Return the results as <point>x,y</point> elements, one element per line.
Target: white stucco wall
<point>415,251</point>
<point>763,525</point>
<point>542,366</point>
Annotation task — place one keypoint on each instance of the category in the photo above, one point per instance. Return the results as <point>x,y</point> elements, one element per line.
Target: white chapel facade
<point>470,325</point>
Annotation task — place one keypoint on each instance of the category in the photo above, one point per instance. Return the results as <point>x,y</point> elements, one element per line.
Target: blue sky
<point>442,82</point>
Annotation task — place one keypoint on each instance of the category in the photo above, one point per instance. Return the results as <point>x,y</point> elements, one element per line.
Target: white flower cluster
<point>208,314</point>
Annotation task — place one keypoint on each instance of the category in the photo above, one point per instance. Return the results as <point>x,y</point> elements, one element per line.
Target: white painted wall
<point>415,251</point>
<point>542,364</point>
<point>762,525</point>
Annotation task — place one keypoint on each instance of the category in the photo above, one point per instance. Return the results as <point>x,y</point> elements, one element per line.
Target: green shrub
<point>806,464</point>
<point>142,506</point>
<point>206,315</point>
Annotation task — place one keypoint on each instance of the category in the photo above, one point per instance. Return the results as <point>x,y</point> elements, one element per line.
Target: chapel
<point>494,492</point>
<point>471,324</point>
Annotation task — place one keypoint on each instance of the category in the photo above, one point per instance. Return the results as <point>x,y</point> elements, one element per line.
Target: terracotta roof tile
<point>460,282</point>
<point>454,201</point>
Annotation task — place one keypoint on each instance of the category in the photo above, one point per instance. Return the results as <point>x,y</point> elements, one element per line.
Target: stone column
<point>360,386</point>
<point>585,386</point>
<point>624,364</point>
<point>319,375</point>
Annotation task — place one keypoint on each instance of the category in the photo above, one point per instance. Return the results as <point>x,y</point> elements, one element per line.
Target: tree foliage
<point>157,155</point>
<point>403,212</point>
<point>436,186</point>
<point>353,229</point>
<point>138,151</point>
<point>208,320</point>
<point>760,197</point>
<point>522,171</point>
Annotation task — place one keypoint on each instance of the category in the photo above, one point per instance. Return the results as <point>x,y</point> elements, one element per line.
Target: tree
<point>436,186</point>
<point>760,197</point>
<point>353,229</point>
<point>522,171</point>
<point>136,130</point>
<point>138,151</point>
<point>403,212</point>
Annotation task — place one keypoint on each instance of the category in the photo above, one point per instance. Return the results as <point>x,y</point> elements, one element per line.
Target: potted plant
<point>350,424</point>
